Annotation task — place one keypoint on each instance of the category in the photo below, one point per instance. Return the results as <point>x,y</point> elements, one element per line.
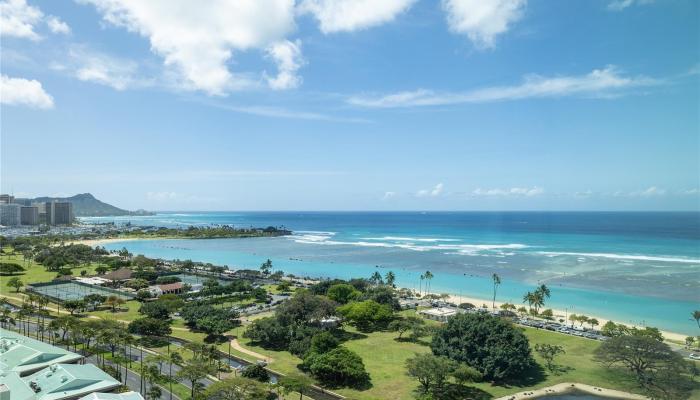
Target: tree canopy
<point>494,347</point>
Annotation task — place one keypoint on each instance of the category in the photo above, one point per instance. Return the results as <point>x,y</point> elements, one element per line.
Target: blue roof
<point>25,355</point>
<point>58,382</point>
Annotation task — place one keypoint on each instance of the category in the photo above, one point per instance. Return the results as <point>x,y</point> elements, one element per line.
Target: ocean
<point>641,268</point>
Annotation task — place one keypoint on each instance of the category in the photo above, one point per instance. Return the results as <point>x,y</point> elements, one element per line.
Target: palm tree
<point>150,374</point>
<point>193,371</point>
<point>420,285</point>
<point>376,278</point>
<point>529,298</point>
<point>173,358</point>
<point>496,282</point>
<point>696,317</point>
<point>6,318</point>
<point>428,276</point>
<point>390,278</point>
<point>154,393</point>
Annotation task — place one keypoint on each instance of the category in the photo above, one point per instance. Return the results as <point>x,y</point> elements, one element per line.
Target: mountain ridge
<point>87,205</point>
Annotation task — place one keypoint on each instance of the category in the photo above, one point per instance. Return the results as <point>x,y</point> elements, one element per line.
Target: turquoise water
<point>641,268</point>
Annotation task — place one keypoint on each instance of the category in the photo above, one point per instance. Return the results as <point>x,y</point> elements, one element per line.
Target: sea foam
<point>621,257</point>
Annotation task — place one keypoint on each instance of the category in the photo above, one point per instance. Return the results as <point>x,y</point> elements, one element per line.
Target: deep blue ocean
<point>640,268</point>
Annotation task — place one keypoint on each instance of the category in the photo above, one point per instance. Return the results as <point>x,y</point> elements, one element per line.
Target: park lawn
<point>385,361</point>
<point>576,365</point>
<point>127,312</point>
<point>34,273</point>
<point>385,358</point>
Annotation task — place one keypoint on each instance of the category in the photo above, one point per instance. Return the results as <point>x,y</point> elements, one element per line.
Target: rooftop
<point>440,312</point>
<point>113,396</point>
<point>58,382</point>
<point>25,355</point>
<point>121,274</point>
<point>171,286</point>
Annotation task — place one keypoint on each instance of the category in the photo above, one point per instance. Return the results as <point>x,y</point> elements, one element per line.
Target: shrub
<point>257,372</point>
<point>10,268</point>
<point>338,367</point>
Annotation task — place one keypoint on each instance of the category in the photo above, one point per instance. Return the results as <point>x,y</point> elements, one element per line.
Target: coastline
<point>99,242</point>
<point>557,314</point>
<point>454,298</point>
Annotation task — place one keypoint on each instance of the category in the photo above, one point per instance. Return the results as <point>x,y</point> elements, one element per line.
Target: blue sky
<point>354,105</point>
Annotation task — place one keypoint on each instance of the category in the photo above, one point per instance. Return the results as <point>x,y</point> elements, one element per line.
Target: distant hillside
<point>86,205</point>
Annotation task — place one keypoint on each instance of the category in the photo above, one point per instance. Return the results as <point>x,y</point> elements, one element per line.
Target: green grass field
<point>385,358</point>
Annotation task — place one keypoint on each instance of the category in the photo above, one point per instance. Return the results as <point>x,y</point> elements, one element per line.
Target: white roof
<point>113,396</point>
<point>92,280</point>
<point>440,312</point>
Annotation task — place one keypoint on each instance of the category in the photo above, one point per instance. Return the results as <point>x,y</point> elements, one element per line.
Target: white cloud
<point>351,15</point>
<point>619,5</point>
<point>690,192</point>
<point>105,70</point>
<point>482,20</point>
<point>388,195</point>
<point>277,112</point>
<point>161,196</point>
<point>178,198</point>
<point>512,192</point>
<point>288,57</point>
<point>651,191</point>
<point>19,19</point>
<point>57,26</point>
<point>434,192</point>
<point>605,82</point>
<point>24,92</point>
<point>198,39</point>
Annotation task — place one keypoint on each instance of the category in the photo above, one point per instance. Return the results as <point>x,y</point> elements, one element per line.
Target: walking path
<point>237,346</point>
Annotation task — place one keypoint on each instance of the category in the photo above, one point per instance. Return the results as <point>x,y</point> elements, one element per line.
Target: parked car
<point>694,356</point>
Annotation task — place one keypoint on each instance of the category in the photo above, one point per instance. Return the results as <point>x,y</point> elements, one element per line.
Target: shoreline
<point>668,335</point>
<point>454,298</point>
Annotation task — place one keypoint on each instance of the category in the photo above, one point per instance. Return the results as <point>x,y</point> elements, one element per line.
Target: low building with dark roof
<point>121,274</point>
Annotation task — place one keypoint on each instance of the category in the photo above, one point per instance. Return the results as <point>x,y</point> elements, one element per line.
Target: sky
<point>353,105</point>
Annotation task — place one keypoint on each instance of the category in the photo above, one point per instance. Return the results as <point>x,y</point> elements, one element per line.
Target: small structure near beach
<point>439,314</point>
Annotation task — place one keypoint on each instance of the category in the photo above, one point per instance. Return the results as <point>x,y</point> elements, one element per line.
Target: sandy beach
<point>558,314</point>
<point>100,242</point>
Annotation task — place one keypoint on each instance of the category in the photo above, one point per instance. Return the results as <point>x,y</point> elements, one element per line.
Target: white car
<point>694,357</point>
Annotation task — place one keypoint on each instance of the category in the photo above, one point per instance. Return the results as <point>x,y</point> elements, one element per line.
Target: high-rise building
<point>29,215</point>
<point>42,212</point>
<point>59,213</point>
<point>10,214</point>
<point>7,199</point>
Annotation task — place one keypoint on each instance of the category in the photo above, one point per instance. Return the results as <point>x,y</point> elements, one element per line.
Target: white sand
<point>100,242</point>
<point>558,314</point>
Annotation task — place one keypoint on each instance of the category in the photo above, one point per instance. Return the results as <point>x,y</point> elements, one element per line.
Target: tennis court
<point>63,291</point>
